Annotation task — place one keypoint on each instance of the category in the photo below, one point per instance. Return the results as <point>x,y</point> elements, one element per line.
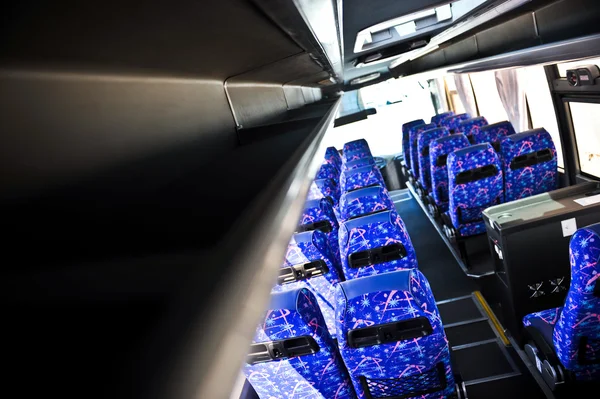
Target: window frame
<point>566,101</point>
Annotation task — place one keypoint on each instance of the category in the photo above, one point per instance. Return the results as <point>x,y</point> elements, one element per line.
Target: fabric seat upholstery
<point>493,134</point>
<point>438,118</point>
<point>475,183</point>
<point>328,171</point>
<point>393,367</point>
<point>423,149</point>
<point>360,177</point>
<point>406,139</point>
<point>319,375</point>
<point>364,201</point>
<point>321,210</point>
<point>439,149</point>
<point>452,122</point>
<point>322,188</point>
<point>333,157</point>
<point>359,163</point>
<point>414,134</point>
<point>470,127</point>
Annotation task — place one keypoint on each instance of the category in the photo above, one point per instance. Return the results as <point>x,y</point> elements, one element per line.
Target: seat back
<point>359,163</point>
<point>493,134</point>
<point>309,262</point>
<point>391,337</point>
<point>423,149</point>
<point>323,188</point>
<point>293,354</point>
<point>577,332</point>
<point>374,244</point>
<point>328,171</point>
<point>437,118</point>
<point>475,183</point>
<point>530,165</point>
<point>360,178</point>
<point>332,156</point>
<point>452,122</point>
<point>364,201</point>
<point>318,214</point>
<point>471,127</point>
<point>439,149</point>
<point>360,144</point>
<point>414,134</point>
<point>406,139</point>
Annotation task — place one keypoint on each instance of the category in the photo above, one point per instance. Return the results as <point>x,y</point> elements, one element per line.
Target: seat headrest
<point>452,139</point>
<point>399,280</point>
<point>410,124</point>
<point>505,128</point>
<point>288,299</point>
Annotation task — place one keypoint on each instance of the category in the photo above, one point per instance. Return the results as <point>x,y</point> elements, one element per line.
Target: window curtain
<point>512,95</point>
<point>465,93</point>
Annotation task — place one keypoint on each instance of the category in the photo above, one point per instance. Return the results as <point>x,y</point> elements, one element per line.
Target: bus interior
<point>307,199</point>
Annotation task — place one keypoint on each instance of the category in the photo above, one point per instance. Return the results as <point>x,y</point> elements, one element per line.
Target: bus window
<point>488,100</point>
<point>586,122</point>
<point>455,103</point>
<point>540,105</point>
<point>562,68</point>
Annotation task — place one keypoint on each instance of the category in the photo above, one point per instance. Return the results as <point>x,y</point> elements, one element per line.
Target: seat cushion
<point>544,322</point>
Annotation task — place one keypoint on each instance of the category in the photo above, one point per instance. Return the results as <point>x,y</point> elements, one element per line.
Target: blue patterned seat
<point>359,163</point>
<point>364,201</point>
<point>493,134</point>
<point>354,150</point>
<point>309,262</point>
<point>423,148</point>
<point>322,188</point>
<point>414,134</point>
<point>318,214</point>
<point>573,331</point>
<point>471,127</point>
<point>452,122</point>
<point>530,166</point>
<point>391,337</point>
<point>333,157</point>
<point>439,149</point>
<point>360,177</point>
<point>360,144</point>
<point>374,244</point>
<point>438,118</point>
<point>293,354</point>
<point>475,183</point>
<point>406,139</point>
<point>328,171</point>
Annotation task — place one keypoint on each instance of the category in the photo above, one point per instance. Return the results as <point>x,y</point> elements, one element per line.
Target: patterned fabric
<point>439,174</point>
<point>374,231</point>
<point>451,123</point>
<point>321,375</point>
<point>529,180</point>
<point>363,201</point>
<point>333,157</point>
<point>580,316</point>
<point>307,247</point>
<point>359,163</point>
<point>493,134</point>
<point>319,210</point>
<point>438,118</point>
<point>360,144</point>
<point>406,139</point>
<point>468,200</point>
<point>360,177</point>
<point>423,148</point>
<point>328,171</point>
<point>414,134</point>
<point>322,188</point>
<point>400,368</point>
<point>471,127</point>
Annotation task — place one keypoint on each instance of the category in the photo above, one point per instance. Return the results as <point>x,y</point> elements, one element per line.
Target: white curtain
<point>512,95</point>
<point>465,92</point>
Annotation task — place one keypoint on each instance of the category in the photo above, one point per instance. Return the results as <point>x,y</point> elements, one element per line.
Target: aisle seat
<point>359,163</point>
<point>364,201</point>
<point>423,148</point>
<point>565,341</point>
<point>360,144</point>
<point>374,244</point>
<point>359,178</point>
<point>439,149</point>
<point>391,337</point>
<point>414,133</point>
<point>309,262</point>
<point>293,355</point>
<point>406,139</point>
<point>470,127</point>
<point>530,165</point>
<point>475,183</point>
<point>438,118</point>
<point>319,214</point>
<point>323,188</point>
<point>452,122</point>
<point>328,171</point>
<point>333,157</point>
<point>493,134</point>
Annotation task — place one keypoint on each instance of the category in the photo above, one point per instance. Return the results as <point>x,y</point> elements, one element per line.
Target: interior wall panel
<point>60,127</point>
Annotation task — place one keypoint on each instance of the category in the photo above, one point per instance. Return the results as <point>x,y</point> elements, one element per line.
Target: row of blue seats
<point>360,323</point>
<point>463,166</point>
